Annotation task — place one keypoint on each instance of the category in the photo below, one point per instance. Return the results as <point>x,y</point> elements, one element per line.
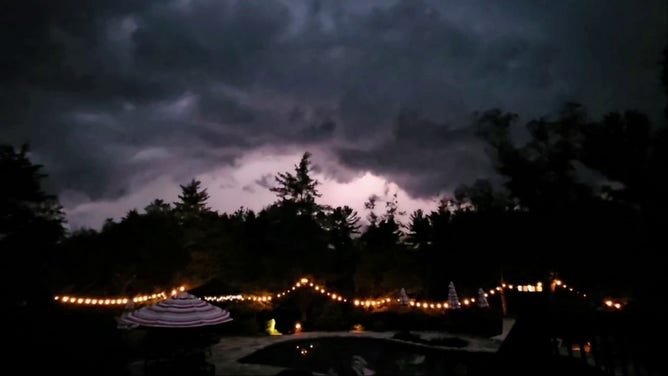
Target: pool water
<point>334,356</point>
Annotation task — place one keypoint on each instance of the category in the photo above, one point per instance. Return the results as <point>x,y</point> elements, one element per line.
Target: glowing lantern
<point>298,328</point>
<point>304,280</point>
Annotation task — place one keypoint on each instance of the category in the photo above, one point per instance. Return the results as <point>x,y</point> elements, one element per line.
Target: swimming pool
<point>335,356</point>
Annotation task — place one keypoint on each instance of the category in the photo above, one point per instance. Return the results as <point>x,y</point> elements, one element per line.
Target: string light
<point>307,283</point>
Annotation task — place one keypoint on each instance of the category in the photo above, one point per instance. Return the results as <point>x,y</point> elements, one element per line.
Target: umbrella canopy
<point>182,311</point>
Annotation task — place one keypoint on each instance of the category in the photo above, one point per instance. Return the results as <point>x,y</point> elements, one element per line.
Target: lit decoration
<point>358,328</point>
<point>271,328</point>
<point>608,303</point>
<point>307,283</point>
<point>298,328</point>
<point>482,299</point>
<point>403,297</point>
<point>453,300</point>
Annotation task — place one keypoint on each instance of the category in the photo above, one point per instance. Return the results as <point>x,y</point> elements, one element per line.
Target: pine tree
<point>299,189</point>
<point>31,226</point>
<point>192,201</point>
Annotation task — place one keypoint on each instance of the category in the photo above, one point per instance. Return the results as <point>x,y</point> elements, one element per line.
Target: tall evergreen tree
<point>31,225</point>
<point>299,189</point>
<point>192,201</point>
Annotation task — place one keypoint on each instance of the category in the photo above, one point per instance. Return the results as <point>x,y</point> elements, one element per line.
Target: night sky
<point>123,100</point>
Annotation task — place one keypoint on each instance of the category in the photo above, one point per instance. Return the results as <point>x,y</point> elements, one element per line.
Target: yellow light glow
<point>87,301</point>
<point>298,284</point>
<point>558,282</point>
<point>608,303</point>
<point>431,305</point>
<point>438,305</point>
<point>94,301</point>
<point>182,288</point>
<point>539,288</point>
<point>56,297</point>
<point>472,300</point>
<point>311,284</point>
<point>106,301</point>
<point>466,302</point>
<point>503,285</point>
<point>412,303</point>
<point>80,300</point>
<point>491,292</point>
<point>510,287</point>
<point>446,305</point>
<point>618,306</point>
<point>356,302</point>
<point>65,299</point>
<point>418,304</point>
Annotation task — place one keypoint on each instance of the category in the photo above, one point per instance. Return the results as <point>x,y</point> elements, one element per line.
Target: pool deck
<point>224,354</point>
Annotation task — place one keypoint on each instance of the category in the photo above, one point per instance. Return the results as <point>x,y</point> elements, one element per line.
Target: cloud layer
<point>119,98</point>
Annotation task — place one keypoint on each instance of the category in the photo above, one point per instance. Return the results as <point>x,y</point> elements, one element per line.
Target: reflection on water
<point>367,356</point>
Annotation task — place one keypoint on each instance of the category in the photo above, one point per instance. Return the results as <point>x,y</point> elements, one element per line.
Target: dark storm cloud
<point>424,157</point>
<point>113,94</point>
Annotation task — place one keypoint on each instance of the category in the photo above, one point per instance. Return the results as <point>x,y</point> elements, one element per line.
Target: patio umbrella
<point>182,311</point>
<point>176,332</point>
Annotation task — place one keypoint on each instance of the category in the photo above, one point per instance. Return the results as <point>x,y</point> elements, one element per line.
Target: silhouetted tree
<point>31,225</point>
<point>419,231</point>
<point>158,206</point>
<point>192,201</point>
<point>342,228</point>
<point>299,189</point>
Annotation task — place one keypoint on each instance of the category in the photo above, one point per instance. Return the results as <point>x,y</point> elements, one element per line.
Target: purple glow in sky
<point>122,101</point>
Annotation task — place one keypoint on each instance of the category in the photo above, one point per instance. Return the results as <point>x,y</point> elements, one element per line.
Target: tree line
<point>582,197</point>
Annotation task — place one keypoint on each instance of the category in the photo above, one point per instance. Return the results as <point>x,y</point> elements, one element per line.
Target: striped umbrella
<point>182,311</point>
